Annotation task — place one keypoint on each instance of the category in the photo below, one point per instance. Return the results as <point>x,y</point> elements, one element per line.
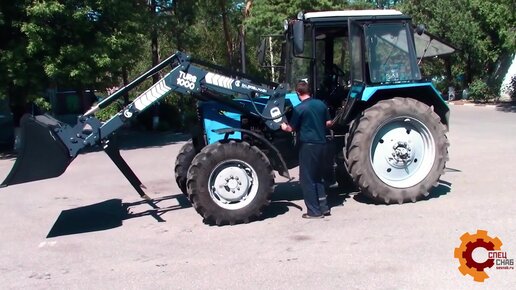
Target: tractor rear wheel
<point>398,151</point>
<point>183,161</point>
<point>230,183</point>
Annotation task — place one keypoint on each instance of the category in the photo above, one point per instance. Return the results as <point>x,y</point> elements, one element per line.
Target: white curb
<point>481,106</point>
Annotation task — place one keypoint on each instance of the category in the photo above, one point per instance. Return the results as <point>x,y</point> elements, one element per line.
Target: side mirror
<point>261,52</point>
<point>298,32</point>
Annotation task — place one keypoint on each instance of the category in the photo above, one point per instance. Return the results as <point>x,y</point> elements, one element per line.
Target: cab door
<point>356,53</point>
<point>357,69</point>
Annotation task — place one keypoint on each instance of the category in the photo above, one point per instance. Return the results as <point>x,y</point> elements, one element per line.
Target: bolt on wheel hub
<point>402,155</point>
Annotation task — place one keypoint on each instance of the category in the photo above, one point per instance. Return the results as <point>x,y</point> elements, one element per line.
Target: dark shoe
<point>307,216</point>
<point>327,213</point>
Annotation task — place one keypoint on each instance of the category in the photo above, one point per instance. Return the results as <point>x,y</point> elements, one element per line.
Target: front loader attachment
<point>42,153</point>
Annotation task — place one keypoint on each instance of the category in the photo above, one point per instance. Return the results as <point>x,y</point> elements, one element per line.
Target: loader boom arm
<point>185,78</point>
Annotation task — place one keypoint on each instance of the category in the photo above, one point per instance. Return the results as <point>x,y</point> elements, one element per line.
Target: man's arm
<point>329,121</point>
<point>286,127</point>
<point>293,123</point>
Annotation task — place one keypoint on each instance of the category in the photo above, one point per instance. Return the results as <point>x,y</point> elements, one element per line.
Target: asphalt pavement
<point>88,229</point>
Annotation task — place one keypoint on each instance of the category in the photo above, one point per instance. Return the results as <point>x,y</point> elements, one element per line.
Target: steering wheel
<point>337,71</point>
<point>330,87</point>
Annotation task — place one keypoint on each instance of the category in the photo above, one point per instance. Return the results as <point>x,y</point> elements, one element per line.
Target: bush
<point>109,111</point>
<point>511,90</point>
<point>176,114</point>
<point>478,90</point>
<point>42,104</point>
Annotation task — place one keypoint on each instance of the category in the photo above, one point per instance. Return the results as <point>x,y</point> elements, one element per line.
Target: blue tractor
<point>391,124</point>
<point>389,133</point>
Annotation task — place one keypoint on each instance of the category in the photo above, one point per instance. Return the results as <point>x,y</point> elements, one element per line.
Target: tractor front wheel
<point>183,161</point>
<point>230,183</point>
<point>397,151</point>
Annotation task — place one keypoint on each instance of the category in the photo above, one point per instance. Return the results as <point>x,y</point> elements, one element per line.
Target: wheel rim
<point>402,152</point>
<point>233,184</point>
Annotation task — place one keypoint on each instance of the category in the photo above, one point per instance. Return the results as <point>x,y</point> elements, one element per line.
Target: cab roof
<point>351,13</point>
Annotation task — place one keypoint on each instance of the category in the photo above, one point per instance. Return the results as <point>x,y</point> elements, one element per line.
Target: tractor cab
<point>336,51</point>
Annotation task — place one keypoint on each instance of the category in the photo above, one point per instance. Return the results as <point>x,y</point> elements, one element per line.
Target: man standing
<point>309,120</point>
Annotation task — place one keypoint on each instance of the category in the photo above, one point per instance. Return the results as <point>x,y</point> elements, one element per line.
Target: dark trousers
<point>311,169</point>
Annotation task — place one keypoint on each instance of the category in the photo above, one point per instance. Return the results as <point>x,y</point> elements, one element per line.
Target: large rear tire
<point>230,183</point>
<point>183,161</point>
<point>398,151</point>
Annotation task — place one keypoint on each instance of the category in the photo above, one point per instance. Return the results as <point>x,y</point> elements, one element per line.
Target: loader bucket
<point>42,154</point>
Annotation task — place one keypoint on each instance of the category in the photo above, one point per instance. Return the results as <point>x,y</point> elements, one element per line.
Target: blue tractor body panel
<point>217,116</point>
<point>292,97</point>
<point>369,92</point>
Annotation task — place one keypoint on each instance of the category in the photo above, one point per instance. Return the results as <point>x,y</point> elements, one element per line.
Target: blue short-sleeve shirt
<point>309,120</point>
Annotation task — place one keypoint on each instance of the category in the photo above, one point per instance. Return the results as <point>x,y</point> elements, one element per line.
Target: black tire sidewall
<point>203,165</point>
<point>183,161</point>
<point>360,166</point>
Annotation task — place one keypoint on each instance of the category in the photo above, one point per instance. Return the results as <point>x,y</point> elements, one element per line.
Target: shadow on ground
<point>505,106</point>
<point>110,214</point>
<point>287,192</point>
<point>509,107</point>
<point>443,188</point>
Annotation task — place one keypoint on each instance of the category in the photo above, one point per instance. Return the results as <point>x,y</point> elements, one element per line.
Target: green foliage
<point>512,88</point>
<point>108,112</point>
<point>479,90</point>
<point>177,113</point>
<point>20,73</point>
<point>83,43</point>
<point>482,30</point>
<point>42,104</point>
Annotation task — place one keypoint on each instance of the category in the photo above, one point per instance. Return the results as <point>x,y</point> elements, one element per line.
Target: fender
<point>362,97</point>
<point>282,170</point>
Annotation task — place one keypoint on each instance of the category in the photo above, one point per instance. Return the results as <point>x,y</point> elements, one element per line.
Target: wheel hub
<point>402,152</point>
<point>402,155</point>
<point>232,184</point>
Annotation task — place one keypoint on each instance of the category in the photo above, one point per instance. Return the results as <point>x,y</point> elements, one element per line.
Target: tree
<point>480,29</point>
<point>497,22</point>
<point>83,43</point>
<point>219,28</point>
<point>21,75</point>
<point>167,22</point>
